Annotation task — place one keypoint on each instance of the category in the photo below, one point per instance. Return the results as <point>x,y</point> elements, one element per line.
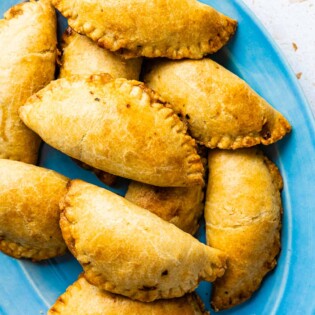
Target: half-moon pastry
<point>83,298</point>
<point>221,110</point>
<point>175,29</point>
<point>28,54</point>
<point>130,251</point>
<point>29,211</point>
<point>83,56</point>
<point>118,126</point>
<point>182,206</point>
<point>243,218</point>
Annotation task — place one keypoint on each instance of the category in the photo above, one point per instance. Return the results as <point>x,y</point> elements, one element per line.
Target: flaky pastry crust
<point>80,55</point>
<point>119,126</point>
<point>115,240</point>
<point>221,110</point>
<point>29,211</point>
<point>28,53</point>
<point>83,298</point>
<point>157,28</point>
<point>243,218</point>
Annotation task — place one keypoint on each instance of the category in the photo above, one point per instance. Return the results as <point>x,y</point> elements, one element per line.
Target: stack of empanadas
<point>164,134</point>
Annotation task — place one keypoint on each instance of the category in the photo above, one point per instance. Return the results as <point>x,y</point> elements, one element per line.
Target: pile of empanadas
<point>184,135</point>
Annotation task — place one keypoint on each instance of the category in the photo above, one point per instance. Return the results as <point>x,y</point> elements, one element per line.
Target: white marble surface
<point>291,23</point>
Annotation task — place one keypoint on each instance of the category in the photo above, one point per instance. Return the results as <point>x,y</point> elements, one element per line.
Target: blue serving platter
<point>31,288</point>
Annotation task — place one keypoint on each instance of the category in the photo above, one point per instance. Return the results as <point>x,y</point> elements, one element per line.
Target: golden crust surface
<point>83,298</point>
<point>115,240</point>
<point>152,29</point>
<point>83,56</point>
<point>221,110</point>
<point>29,211</point>
<point>28,53</point>
<point>243,218</point>
<point>118,126</point>
<point>182,206</point>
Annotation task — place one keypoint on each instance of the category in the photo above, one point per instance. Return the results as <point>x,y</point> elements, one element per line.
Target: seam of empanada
<point>281,128</point>
<point>16,250</point>
<point>113,43</point>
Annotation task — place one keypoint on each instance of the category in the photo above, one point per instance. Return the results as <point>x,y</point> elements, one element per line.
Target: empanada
<point>82,56</point>
<point>130,251</point>
<point>182,206</point>
<point>243,218</point>
<point>159,28</point>
<point>83,298</point>
<point>27,63</point>
<point>118,126</point>
<point>29,211</point>
<point>221,110</point>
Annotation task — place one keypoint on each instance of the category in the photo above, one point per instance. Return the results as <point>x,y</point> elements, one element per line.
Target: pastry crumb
<point>299,75</point>
<point>295,46</point>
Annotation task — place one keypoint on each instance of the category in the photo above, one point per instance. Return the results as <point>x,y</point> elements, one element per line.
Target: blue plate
<point>28,288</point>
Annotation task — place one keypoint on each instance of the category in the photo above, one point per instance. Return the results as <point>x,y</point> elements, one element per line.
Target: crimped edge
<point>280,129</point>
<point>17,250</point>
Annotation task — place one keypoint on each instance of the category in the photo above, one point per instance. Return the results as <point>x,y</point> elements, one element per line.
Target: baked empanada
<point>119,126</point>
<point>82,56</point>
<point>182,206</point>
<point>128,250</point>
<point>28,53</point>
<point>221,110</point>
<point>83,298</point>
<point>243,218</point>
<point>175,29</point>
<point>29,211</point>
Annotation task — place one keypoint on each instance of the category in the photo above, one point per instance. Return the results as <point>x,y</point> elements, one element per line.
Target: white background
<point>291,23</point>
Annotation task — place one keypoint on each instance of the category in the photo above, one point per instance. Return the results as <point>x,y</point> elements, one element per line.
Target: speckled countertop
<point>291,24</point>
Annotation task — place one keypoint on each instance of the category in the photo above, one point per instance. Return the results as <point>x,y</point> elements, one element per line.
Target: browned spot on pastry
<point>265,132</point>
<point>97,99</point>
<point>165,273</point>
<point>106,178</point>
<point>128,105</point>
<point>69,31</point>
<point>148,288</point>
<point>299,75</point>
<point>15,11</point>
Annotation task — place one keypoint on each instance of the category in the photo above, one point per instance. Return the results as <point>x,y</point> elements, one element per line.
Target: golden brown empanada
<point>28,53</point>
<point>175,29</point>
<point>82,56</point>
<point>182,206</point>
<point>128,250</point>
<point>83,298</point>
<point>243,218</point>
<point>222,111</point>
<point>118,126</point>
<point>29,211</point>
